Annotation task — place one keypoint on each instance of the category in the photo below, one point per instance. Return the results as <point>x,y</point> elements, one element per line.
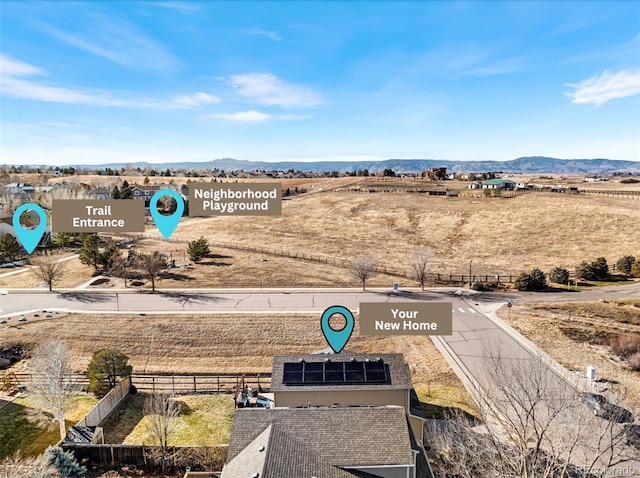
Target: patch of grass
<point>204,420</point>
<point>19,431</point>
<point>440,401</point>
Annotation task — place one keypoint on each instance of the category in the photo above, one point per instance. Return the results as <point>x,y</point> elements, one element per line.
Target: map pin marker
<point>166,224</point>
<point>337,339</point>
<point>29,238</point>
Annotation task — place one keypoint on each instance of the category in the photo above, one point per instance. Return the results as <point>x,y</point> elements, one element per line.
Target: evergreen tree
<point>559,275</point>
<point>625,263</point>
<point>62,239</point>
<point>90,251</point>
<point>65,462</point>
<point>198,249</point>
<point>115,193</point>
<point>105,368</point>
<point>125,190</point>
<point>9,246</point>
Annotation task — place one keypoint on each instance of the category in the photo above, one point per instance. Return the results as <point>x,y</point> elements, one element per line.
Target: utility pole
<point>470,279</point>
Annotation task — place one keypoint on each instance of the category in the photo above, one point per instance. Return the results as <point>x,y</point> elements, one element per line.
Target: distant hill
<point>530,164</point>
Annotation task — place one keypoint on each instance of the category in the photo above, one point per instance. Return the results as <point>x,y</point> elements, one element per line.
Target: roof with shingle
<point>79,434</point>
<point>398,371</point>
<point>317,438</point>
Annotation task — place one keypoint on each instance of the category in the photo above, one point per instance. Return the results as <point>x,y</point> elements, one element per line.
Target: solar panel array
<point>336,373</point>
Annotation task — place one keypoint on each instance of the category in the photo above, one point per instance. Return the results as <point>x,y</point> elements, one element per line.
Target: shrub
<point>635,269</point>
<point>533,280</point>
<point>584,270</point>
<point>625,345</point>
<point>634,362</point>
<point>625,263</point>
<point>600,268</point>
<point>198,249</point>
<point>65,462</point>
<point>559,275</point>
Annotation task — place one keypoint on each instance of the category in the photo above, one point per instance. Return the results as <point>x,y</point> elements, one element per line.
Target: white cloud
<point>268,89</point>
<point>251,116</point>
<point>273,35</point>
<point>606,87</point>
<point>15,81</point>
<point>120,42</point>
<point>181,7</point>
<point>196,99</point>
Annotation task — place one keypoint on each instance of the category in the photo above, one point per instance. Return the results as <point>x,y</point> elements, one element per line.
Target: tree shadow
<point>214,263</point>
<point>124,419</point>
<point>177,276</point>
<point>85,297</point>
<point>192,297</point>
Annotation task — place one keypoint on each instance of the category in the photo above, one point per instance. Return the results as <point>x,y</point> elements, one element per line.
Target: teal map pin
<point>166,224</point>
<point>337,339</point>
<point>29,238</point>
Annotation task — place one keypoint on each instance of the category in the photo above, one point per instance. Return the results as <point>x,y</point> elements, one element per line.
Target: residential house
<point>336,416</point>
<point>99,193</point>
<point>19,188</point>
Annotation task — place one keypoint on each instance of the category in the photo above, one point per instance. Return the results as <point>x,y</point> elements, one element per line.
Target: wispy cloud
<point>181,7</point>
<point>268,89</point>
<point>467,60</point>
<point>606,87</point>
<point>253,116</point>
<point>272,34</point>
<point>16,80</point>
<point>120,42</point>
<point>195,100</point>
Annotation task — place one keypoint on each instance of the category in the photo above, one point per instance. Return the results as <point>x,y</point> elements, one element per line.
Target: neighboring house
<point>336,416</point>
<point>594,179</point>
<point>19,188</point>
<point>99,193</point>
<point>498,184</point>
<point>435,173</point>
<point>475,186</point>
<point>145,192</point>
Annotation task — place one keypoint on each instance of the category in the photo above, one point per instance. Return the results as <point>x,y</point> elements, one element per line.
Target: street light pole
<point>470,279</point>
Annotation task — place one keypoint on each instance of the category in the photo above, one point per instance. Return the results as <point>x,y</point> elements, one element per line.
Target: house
<point>435,174</point>
<point>498,184</point>
<point>335,416</point>
<point>99,193</point>
<point>594,179</point>
<point>19,188</point>
<point>144,192</point>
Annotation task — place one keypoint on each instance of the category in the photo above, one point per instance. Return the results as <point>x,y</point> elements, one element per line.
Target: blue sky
<point>94,82</point>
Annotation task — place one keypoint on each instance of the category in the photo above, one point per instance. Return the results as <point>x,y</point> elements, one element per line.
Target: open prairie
<point>505,235</point>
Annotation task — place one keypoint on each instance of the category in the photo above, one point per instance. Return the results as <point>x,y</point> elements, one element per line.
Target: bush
<point>559,275</point>
<point>625,263</point>
<point>65,462</point>
<point>634,362</point>
<point>625,345</point>
<point>533,280</point>
<point>584,270</point>
<point>198,249</point>
<point>635,269</point>
<point>600,268</point>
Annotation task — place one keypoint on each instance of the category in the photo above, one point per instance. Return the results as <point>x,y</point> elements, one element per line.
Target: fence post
<point>195,386</point>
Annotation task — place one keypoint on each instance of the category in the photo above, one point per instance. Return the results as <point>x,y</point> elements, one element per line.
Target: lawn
<point>20,431</point>
<point>204,420</point>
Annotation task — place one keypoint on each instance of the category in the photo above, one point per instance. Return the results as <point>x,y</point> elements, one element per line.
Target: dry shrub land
<point>581,334</point>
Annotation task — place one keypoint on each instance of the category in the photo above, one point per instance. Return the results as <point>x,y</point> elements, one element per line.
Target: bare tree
<point>152,265</point>
<point>363,268</point>
<point>21,467</point>
<point>532,426</point>
<point>420,265</point>
<point>162,412</point>
<point>51,380</point>
<point>49,268</point>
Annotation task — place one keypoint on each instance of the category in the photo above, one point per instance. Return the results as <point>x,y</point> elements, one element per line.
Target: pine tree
<point>90,251</point>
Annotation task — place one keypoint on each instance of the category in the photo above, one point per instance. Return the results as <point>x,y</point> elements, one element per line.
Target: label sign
<point>235,199</point>
<point>406,318</point>
<point>90,215</point>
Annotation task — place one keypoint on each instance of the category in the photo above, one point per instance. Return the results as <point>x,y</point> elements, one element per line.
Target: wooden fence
<point>107,404</point>
<point>139,455</point>
<point>183,384</point>
<point>176,384</point>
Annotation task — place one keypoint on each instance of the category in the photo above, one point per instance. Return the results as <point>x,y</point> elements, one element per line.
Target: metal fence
<point>184,384</point>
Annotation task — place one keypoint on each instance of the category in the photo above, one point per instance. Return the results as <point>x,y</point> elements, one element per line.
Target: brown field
<point>577,334</point>
<point>499,235</point>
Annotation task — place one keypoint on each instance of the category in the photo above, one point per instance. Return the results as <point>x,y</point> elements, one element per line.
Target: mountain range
<point>530,164</point>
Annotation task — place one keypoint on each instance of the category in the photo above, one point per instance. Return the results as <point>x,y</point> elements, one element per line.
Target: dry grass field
<point>221,343</point>
<point>499,235</point>
<point>577,335</point>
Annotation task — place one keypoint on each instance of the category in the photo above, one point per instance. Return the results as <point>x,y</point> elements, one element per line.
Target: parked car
<point>603,408</point>
<point>631,435</point>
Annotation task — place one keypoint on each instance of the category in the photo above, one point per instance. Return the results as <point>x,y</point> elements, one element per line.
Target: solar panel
<point>336,373</point>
